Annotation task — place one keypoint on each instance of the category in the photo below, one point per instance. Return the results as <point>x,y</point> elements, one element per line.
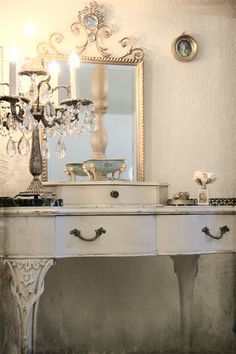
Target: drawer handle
<point>98,233</point>
<point>114,194</point>
<point>223,230</point>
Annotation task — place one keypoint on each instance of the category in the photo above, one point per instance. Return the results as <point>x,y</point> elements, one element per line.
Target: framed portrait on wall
<point>184,48</point>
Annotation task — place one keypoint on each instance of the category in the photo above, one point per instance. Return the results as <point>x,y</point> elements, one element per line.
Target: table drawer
<point>110,193</point>
<point>179,234</point>
<point>125,235</point>
<point>31,236</point>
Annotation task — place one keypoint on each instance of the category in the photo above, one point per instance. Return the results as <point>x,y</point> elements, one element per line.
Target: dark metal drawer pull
<point>98,233</point>
<point>223,230</point>
<point>114,194</point>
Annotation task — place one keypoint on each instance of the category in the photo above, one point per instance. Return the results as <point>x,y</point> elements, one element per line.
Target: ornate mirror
<point>111,75</point>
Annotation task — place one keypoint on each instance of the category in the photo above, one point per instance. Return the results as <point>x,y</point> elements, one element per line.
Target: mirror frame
<point>93,37</point>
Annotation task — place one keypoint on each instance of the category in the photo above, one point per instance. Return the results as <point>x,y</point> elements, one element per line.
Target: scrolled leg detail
<point>27,285</point>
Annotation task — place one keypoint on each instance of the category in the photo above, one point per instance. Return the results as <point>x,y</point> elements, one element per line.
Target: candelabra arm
<point>67,88</point>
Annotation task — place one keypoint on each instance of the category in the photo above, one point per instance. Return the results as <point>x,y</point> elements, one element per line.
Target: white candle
<point>13,74</point>
<point>74,64</point>
<point>73,93</point>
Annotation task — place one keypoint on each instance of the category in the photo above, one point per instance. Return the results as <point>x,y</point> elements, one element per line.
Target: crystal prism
<point>33,91</point>
<point>23,146</point>
<point>49,112</point>
<point>29,123</point>
<point>60,149</point>
<point>11,147</point>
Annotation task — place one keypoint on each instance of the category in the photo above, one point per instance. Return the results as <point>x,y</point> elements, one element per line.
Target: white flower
<point>203,177</point>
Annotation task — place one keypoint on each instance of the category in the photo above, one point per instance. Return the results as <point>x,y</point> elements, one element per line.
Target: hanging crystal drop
<point>46,94</point>
<point>23,146</point>
<point>58,114</point>
<point>49,112</point>
<point>60,149</point>
<point>29,123</point>
<point>87,118</point>
<point>72,128</point>
<point>11,147</point>
<point>65,118</point>
<point>33,91</point>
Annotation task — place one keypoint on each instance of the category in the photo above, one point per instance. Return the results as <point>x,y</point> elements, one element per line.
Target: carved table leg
<point>186,268</point>
<point>27,285</point>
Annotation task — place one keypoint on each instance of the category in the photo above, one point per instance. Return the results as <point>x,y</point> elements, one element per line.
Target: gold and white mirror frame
<point>92,33</point>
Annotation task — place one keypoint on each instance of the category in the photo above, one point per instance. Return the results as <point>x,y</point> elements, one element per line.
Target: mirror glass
<point>110,74</point>
<point>120,120</point>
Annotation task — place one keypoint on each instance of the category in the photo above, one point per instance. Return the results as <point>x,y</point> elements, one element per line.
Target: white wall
<point>124,305</point>
<point>191,110</point>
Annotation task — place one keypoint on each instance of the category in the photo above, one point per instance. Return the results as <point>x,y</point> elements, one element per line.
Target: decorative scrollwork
<point>105,31</point>
<point>76,28</point>
<point>50,48</point>
<point>93,32</point>
<point>27,286</point>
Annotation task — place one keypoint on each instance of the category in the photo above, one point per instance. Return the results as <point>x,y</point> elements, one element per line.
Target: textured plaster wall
<point>130,305</point>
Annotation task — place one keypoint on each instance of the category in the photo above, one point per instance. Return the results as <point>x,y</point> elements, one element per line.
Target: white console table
<point>31,239</point>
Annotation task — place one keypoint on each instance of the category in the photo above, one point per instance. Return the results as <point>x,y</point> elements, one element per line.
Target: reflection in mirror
<point>118,102</point>
<point>119,120</point>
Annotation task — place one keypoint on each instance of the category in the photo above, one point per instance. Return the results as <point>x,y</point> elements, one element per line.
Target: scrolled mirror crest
<point>91,32</point>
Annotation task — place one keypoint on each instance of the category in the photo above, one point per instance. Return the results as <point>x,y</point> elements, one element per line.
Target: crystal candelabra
<point>35,109</point>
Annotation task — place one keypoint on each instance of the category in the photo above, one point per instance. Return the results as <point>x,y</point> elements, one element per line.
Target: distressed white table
<point>31,239</point>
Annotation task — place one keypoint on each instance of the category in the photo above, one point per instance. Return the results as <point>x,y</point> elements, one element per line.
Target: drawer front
<point>29,236</point>
<point>179,234</point>
<point>125,235</point>
<point>111,194</point>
